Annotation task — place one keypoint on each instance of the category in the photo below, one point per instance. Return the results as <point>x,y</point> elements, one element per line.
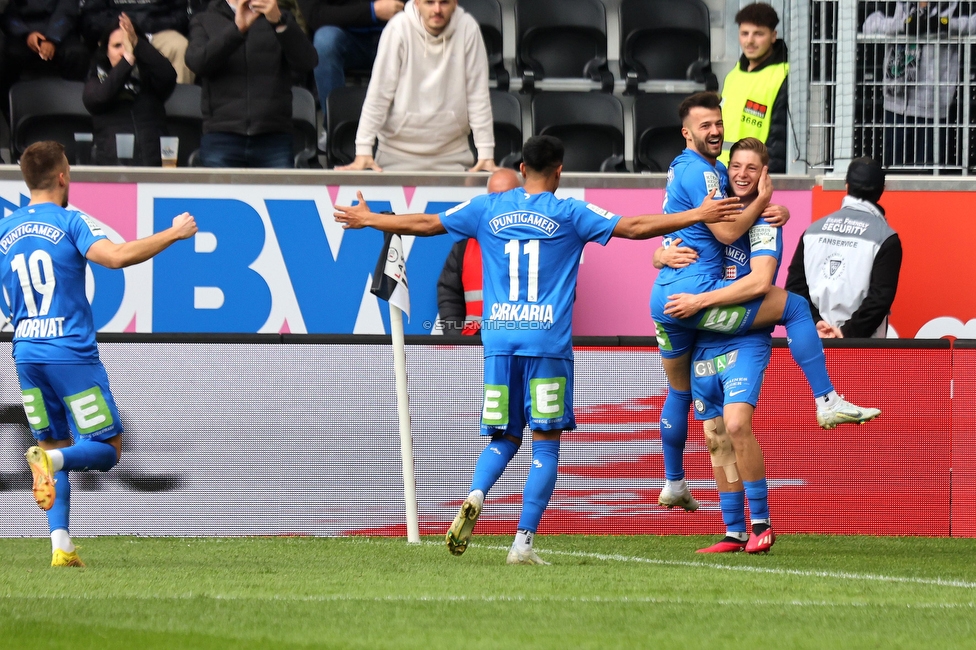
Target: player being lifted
<point>531,244</point>
<point>698,297</point>
<point>46,249</point>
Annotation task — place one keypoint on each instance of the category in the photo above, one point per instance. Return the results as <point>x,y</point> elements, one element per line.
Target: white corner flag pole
<point>403,410</point>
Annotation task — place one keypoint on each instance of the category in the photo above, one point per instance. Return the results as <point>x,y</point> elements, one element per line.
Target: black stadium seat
<point>665,39</point>
<point>184,119</point>
<point>488,13</point>
<point>590,125</point>
<point>47,109</point>
<point>345,104</point>
<point>561,39</point>
<point>306,133</point>
<point>657,131</point>
<point>506,112</point>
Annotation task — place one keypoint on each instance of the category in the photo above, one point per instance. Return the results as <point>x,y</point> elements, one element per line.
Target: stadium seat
<point>590,125</point>
<point>657,131</point>
<point>666,40</point>
<point>306,131</point>
<point>184,119</point>
<point>506,112</point>
<point>565,39</point>
<point>342,120</point>
<point>47,109</point>
<point>488,13</point>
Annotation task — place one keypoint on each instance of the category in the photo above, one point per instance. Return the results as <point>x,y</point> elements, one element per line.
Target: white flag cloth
<point>390,276</point>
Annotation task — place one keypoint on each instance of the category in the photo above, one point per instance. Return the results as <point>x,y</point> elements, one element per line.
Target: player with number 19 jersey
<point>530,248</point>
<point>42,268</point>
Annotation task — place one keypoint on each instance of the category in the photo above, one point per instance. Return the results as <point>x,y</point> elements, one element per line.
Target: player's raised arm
<point>117,256</point>
<point>646,226</point>
<point>360,216</point>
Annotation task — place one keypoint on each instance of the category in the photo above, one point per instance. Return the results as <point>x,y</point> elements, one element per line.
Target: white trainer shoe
<point>843,412</point>
<point>523,556</point>
<point>670,499</point>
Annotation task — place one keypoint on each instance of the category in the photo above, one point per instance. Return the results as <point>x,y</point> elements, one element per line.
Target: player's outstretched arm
<point>757,283</point>
<point>646,226</point>
<point>727,233</point>
<point>360,216</point>
<point>117,256</point>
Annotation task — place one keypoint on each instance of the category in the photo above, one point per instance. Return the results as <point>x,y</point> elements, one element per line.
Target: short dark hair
<point>865,179</point>
<point>751,144</point>
<point>707,99</point>
<point>543,154</point>
<point>758,13</point>
<point>41,163</point>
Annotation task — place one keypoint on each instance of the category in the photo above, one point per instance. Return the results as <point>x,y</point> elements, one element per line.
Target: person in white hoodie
<point>427,92</point>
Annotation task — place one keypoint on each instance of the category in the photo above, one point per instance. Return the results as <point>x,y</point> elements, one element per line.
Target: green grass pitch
<point>600,592</point>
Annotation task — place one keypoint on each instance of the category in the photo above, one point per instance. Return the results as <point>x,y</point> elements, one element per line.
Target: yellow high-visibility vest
<point>747,103</point>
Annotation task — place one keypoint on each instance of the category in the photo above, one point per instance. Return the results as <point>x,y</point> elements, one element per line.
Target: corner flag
<point>390,276</point>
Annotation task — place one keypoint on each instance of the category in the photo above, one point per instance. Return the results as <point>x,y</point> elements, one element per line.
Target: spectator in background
<point>164,22</point>
<point>346,34</point>
<point>459,299</point>
<point>920,78</point>
<point>428,91</point>
<point>755,93</point>
<point>247,55</point>
<point>126,92</point>
<point>847,264</point>
<point>42,39</point>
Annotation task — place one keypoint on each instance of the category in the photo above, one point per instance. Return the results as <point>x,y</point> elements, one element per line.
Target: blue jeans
<point>340,49</point>
<point>235,150</point>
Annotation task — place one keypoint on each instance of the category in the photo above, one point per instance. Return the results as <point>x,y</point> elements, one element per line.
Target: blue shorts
<point>676,336</point>
<point>733,377</point>
<point>65,401</point>
<point>533,390</point>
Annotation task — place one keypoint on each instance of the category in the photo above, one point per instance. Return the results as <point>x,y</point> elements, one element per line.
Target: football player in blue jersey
<point>46,249</point>
<point>727,371</point>
<point>697,297</point>
<point>531,244</point>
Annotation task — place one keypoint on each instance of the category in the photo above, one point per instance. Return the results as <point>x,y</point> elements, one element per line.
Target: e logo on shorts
<point>89,410</point>
<point>495,411</point>
<point>548,401</point>
<point>663,342</point>
<point>34,408</point>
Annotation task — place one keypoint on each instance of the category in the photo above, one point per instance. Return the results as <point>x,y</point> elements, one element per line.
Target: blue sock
<point>540,483</point>
<point>492,462</point>
<point>674,432</point>
<point>89,455</point>
<point>805,345</point>
<point>758,495</point>
<point>733,511</point>
<point>57,516</point>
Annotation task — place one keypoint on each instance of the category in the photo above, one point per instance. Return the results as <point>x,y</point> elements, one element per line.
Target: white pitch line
<point>650,600</point>
<point>940,582</point>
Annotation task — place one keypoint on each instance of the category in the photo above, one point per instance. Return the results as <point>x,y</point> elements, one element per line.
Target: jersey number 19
<point>39,278</point>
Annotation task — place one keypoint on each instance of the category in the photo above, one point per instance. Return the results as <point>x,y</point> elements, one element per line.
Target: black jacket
<point>150,16</point>
<point>247,78</point>
<point>778,125</point>
<point>450,291</point>
<point>53,18</point>
<point>130,100</point>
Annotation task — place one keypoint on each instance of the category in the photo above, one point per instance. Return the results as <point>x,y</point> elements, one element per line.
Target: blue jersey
<point>690,179</point>
<point>530,250</point>
<point>761,240</point>
<point>43,269</point>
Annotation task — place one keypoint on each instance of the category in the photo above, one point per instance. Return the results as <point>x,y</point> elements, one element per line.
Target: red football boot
<point>727,545</point>
<point>762,542</point>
